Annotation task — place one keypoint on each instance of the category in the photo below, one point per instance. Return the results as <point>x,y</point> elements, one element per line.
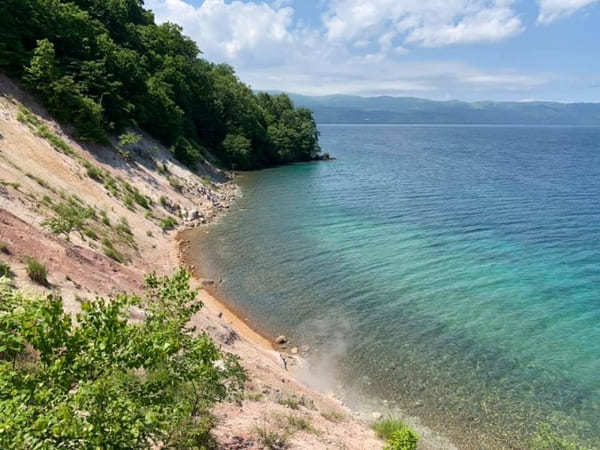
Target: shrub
<point>129,138</point>
<point>397,435</point>
<point>123,227</point>
<point>5,270</point>
<point>113,253</point>
<point>37,271</point>
<point>175,183</point>
<point>70,215</point>
<point>404,439</point>
<point>271,440</point>
<point>168,223</point>
<point>95,173</point>
<point>103,381</point>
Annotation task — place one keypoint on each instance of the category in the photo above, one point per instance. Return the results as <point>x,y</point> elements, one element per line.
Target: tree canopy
<point>104,65</point>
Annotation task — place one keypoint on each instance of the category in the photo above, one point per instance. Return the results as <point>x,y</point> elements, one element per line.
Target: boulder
<point>294,350</point>
<point>280,340</point>
<point>377,415</point>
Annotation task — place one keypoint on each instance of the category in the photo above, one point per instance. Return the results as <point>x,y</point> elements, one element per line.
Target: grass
<point>5,270</point>
<point>271,440</point>
<point>112,252</point>
<point>290,402</point>
<point>27,117</point>
<point>88,232</point>
<point>333,416</point>
<point>397,435</point>
<point>36,271</point>
<point>105,219</point>
<point>70,215</point>
<point>254,396</point>
<point>297,423</point>
<point>4,248</point>
<point>175,183</point>
<point>95,173</point>
<point>168,223</point>
<point>123,227</point>
<point>39,181</point>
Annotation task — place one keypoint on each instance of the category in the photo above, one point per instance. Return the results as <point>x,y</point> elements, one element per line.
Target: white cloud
<point>551,10</point>
<point>230,31</point>
<point>429,23</point>
<point>360,47</point>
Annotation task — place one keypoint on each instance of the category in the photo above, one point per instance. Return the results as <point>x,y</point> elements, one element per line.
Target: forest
<point>105,66</point>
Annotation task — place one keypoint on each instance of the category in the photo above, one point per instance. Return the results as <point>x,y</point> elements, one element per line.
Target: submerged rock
<point>377,415</point>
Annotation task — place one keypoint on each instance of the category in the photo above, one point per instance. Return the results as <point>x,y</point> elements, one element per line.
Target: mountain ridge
<point>340,108</point>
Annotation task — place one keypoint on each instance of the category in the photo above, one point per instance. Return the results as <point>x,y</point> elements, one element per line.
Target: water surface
<point>452,270</point>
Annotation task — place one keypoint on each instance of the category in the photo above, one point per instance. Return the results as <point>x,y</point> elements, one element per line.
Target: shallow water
<point>452,270</point>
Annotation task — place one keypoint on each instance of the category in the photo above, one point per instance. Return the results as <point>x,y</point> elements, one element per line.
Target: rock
<point>294,350</point>
<point>220,315</point>
<point>377,415</point>
<point>280,340</point>
<point>305,348</point>
<point>208,282</point>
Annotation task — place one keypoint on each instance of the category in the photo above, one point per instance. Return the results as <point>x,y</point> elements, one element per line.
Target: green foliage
<point>129,138</point>
<point>106,66</point>
<point>397,435</point>
<point>271,440</point>
<point>95,173</point>
<point>175,184</point>
<point>69,216</point>
<point>5,270</point>
<point>168,223</point>
<point>36,271</point>
<point>110,251</point>
<point>104,381</point>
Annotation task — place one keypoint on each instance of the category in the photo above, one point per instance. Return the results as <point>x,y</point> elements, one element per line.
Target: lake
<point>452,271</point>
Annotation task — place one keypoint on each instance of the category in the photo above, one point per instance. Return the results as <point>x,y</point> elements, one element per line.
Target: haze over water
<point>453,270</point>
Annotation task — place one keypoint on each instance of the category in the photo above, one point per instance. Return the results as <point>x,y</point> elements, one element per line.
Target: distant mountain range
<point>354,109</point>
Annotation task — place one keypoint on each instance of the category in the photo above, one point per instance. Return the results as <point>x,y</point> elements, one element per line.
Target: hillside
<point>133,190</point>
<point>354,109</point>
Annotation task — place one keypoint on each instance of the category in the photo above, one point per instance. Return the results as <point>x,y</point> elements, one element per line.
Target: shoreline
<point>215,301</point>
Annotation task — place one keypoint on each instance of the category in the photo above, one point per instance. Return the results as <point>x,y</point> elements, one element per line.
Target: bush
<point>397,435</point>
<point>37,271</point>
<point>112,252</point>
<point>70,215</point>
<point>168,223</point>
<point>5,270</point>
<point>95,173</point>
<point>404,439</point>
<point>103,381</point>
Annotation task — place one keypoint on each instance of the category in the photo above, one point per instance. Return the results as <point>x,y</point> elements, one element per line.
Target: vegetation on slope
<point>108,382</point>
<point>104,65</point>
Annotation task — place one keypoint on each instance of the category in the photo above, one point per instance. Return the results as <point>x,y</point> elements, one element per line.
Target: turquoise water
<point>451,270</point>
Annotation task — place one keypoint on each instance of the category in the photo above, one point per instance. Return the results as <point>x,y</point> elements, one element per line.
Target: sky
<point>517,50</point>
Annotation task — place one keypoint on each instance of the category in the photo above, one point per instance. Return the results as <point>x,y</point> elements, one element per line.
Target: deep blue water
<point>452,270</point>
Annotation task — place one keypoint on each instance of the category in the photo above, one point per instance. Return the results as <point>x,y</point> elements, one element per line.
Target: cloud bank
<point>357,46</point>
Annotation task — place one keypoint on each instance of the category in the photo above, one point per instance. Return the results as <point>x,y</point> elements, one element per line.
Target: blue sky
<point>439,49</point>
